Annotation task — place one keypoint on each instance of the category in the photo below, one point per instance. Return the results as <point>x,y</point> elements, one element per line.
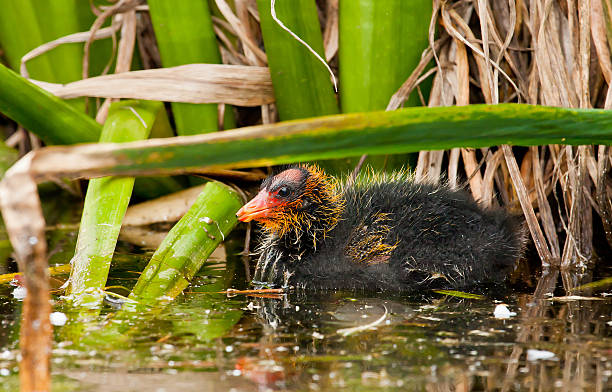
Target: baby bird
<point>378,233</point>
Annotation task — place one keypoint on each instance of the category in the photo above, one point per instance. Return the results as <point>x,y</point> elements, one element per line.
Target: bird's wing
<point>369,243</point>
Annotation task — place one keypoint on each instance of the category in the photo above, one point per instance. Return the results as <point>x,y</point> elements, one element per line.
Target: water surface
<point>332,341</point>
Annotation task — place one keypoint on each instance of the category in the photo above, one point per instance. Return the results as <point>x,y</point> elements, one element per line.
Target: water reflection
<point>444,344</point>
<point>332,341</point>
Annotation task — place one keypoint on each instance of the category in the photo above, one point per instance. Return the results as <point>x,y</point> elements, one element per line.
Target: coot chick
<point>378,233</point>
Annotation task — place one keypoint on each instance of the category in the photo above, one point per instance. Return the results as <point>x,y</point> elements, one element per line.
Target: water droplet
<point>20,292</point>
<point>58,318</point>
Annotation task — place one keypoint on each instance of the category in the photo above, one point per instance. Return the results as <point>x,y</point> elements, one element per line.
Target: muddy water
<point>324,341</point>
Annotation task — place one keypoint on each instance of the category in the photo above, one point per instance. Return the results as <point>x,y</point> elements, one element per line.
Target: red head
<point>293,198</point>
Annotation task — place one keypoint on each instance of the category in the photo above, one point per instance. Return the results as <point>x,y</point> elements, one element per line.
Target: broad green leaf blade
<point>188,244</point>
<point>106,202</point>
<point>56,122</point>
<point>399,131</point>
<point>50,118</point>
<point>380,43</point>
<point>302,85</point>
<point>27,24</point>
<point>185,35</point>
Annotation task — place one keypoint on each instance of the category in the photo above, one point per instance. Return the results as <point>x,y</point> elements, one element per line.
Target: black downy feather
<point>394,234</point>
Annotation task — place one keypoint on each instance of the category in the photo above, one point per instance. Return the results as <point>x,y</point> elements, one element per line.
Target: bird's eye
<point>283,191</point>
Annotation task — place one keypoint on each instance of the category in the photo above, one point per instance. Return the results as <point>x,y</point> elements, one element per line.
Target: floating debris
<point>359,328</point>
<point>536,355</point>
<point>502,312</point>
<point>318,335</point>
<point>58,319</point>
<point>20,292</point>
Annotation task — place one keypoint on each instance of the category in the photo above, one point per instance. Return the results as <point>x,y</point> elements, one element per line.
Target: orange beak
<point>260,207</point>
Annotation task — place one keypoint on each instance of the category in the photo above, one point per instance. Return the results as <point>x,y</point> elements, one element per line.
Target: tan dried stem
<point>453,167</point>
<point>530,217</point>
<point>545,211</point>
<point>406,88</point>
<point>488,179</point>
<point>242,12</point>
<point>25,225</point>
<point>125,53</point>
<point>228,51</point>
<point>193,83</point>
<point>330,33</point>
<point>72,38</point>
<point>241,32</point>
<point>603,201</point>
<point>121,6</point>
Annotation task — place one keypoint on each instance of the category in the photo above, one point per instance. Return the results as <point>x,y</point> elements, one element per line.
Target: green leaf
<point>27,24</point>
<point>106,202</point>
<point>188,244</point>
<point>56,122</point>
<point>185,35</point>
<point>399,131</point>
<point>50,118</point>
<point>302,85</point>
<point>8,156</point>
<point>459,294</point>
<point>380,43</point>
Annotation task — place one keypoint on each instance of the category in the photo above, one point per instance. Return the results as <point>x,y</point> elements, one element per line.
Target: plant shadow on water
<point>322,341</point>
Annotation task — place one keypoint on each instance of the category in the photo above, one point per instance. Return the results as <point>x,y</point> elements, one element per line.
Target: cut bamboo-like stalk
<point>188,244</point>
<point>106,202</point>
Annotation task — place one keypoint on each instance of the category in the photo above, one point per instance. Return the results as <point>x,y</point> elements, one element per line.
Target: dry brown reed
<point>543,52</point>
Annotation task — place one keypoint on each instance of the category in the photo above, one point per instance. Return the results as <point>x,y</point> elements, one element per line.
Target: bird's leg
<point>272,273</point>
<point>266,270</point>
